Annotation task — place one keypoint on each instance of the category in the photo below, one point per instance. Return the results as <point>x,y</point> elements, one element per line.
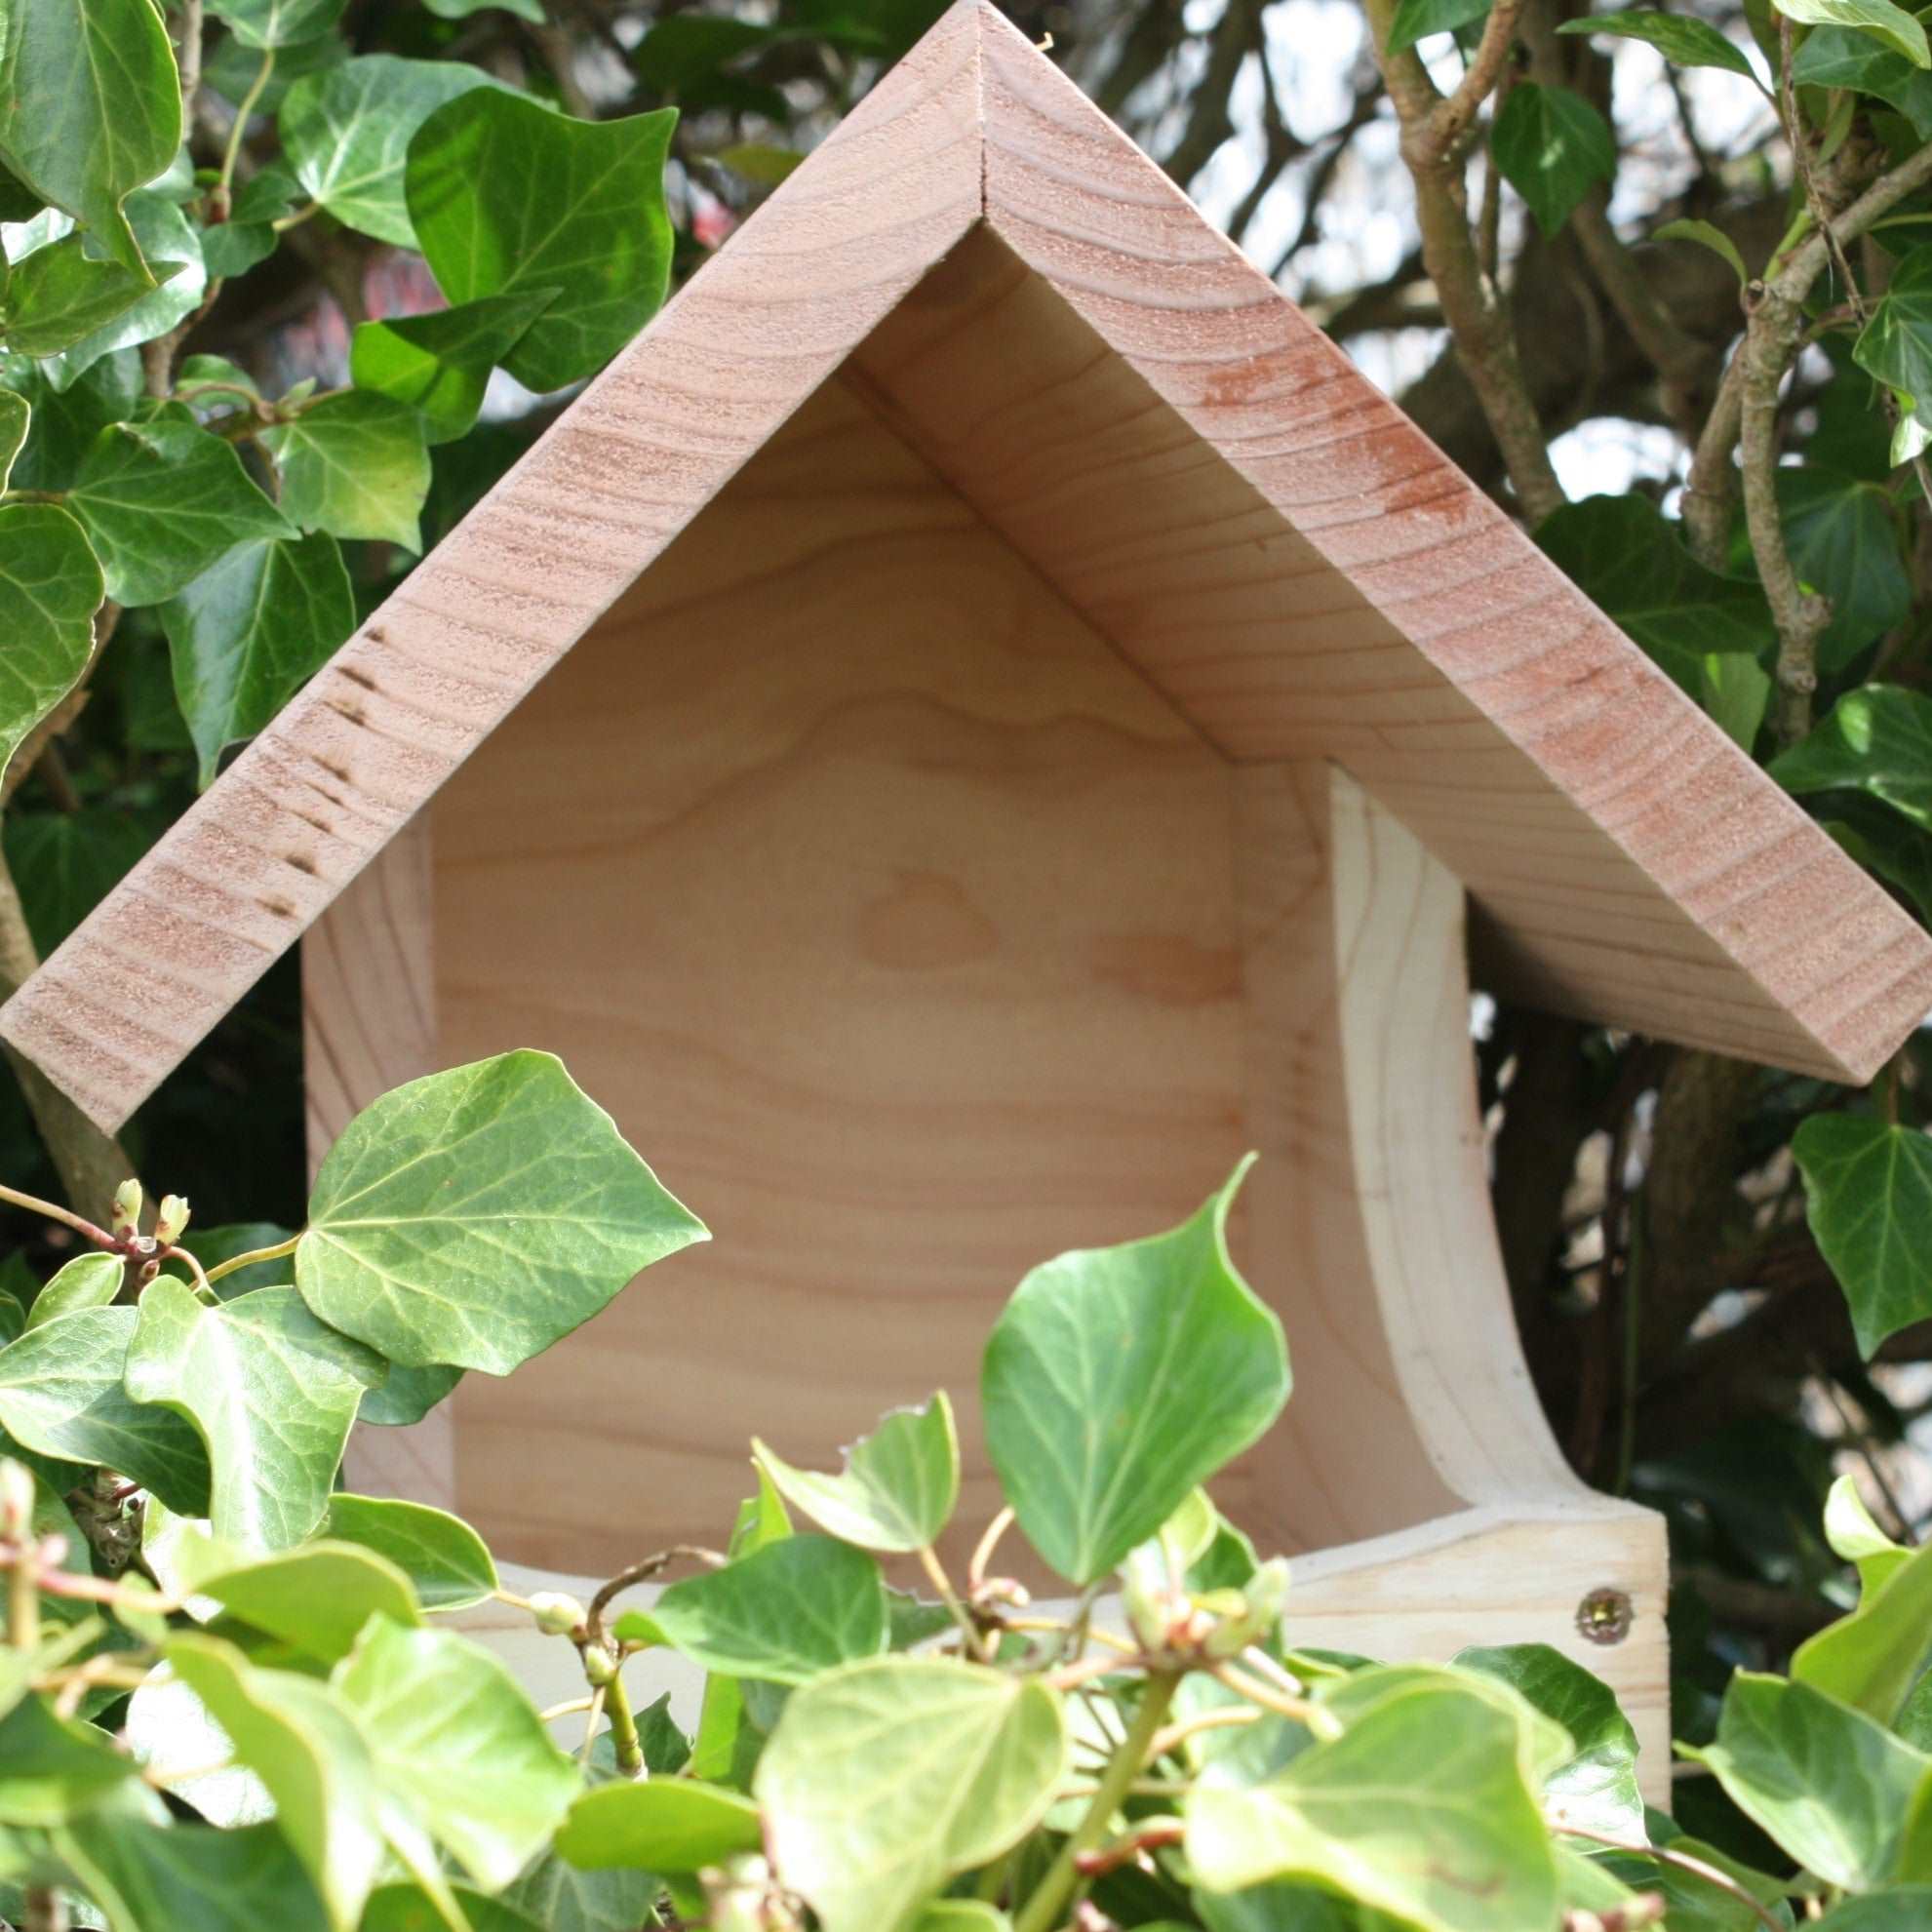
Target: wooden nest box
<point>978,716</point>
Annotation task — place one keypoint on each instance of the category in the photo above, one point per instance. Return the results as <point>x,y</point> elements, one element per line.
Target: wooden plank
<point>454,652</point>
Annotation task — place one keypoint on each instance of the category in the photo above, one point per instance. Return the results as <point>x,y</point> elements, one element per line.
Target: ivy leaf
<point>898,1488</point>
<point>560,1898</point>
<point>1837,57</point>
<point>440,363</point>
<point>462,9</point>
<point>407,1396</point>
<point>1455,1843</point>
<point>1899,1909</point>
<point>64,422</point>
<point>174,249</point>
<point>315,1598</point>
<point>58,293</point>
<point>1855,1538</point>
<point>410,1909</point>
<point>885,1779</point>
<point>355,465</point>
<point>16,422</point>
<point>61,1395</point>
<point>273,1392</point>
<point>507,197</point>
<point>1736,690</point>
<point>161,501</point>
<point>444,1560</point>
<point>267,24</point>
<point>1896,344</point>
<point>1706,234</point>
<point>1832,1788</point>
<point>1868,1191</point>
<point>347,130</point>
<point>1872,1658</point>
<point>88,1280</point>
<point>476,1217</point>
<point>1552,145</point>
<point>1118,1379</point>
<point>66,862</point>
<point>765,166</point>
<point>146,1875</point>
<point>662,1826</point>
<point>1683,41</point>
<point>1844,539</point>
<point>1877,740</point>
<point>49,588</point>
<point>91,109</point>
<point>49,1769</point>
<point>784,1615</point>
<point>454,1739</point>
<point>1879,18</point>
<point>1416,20</point>
<point>250,631</point>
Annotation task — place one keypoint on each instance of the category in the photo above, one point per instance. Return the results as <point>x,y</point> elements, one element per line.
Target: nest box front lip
<point>1640,870</point>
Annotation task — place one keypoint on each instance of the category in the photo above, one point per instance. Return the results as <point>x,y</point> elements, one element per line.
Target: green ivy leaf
<point>88,1280</point>
<point>1877,740</point>
<point>783,1614</point>
<point>1706,234</point>
<point>91,109</point>
<point>898,1488</point>
<point>660,1825</point>
<point>16,422</point>
<point>316,1599</point>
<point>61,1395</point>
<point>265,23</point>
<point>1736,690</point>
<point>765,166</point>
<point>1872,1659</point>
<point>1868,1188</point>
<point>562,1899</point>
<point>1552,146</point>
<point>1298,1908</point>
<point>476,1217</point>
<point>66,862</point>
<point>161,501</point>
<point>347,130</point>
<point>174,248</point>
<point>50,1769</point>
<point>1896,344</point>
<point>49,588</point>
<point>148,1877</point>
<point>885,1779</point>
<point>407,1396</point>
<point>1855,1538</point>
<point>1832,1787</point>
<point>1839,57</point>
<point>273,1392</point>
<point>462,9</point>
<point>57,295</point>
<point>455,1741</point>
<point>444,1559</point>
<point>1682,40</point>
<point>1879,18</point>
<point>1416,20</point>
<point>507,197</point>
<point>440,364</point>
<point>355,465</point>
<point>1454,1843</point>
<point>249,632</point>
<point>410,1909</point>
<point>1844,538</point>
<point>1118,1379</point>
<point>1899,1909</point>
<point>66,422</point>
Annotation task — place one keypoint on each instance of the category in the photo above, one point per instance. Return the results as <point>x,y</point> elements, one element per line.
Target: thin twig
<point>1682,1862</point>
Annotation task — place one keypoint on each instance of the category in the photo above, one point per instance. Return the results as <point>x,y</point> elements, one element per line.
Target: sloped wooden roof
<point>1191,463</point>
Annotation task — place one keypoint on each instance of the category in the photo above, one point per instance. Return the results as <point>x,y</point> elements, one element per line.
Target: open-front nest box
<point>980,716</point>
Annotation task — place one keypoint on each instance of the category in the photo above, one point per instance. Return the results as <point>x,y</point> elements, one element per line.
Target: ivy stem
<point>203,1291</point>
<point>249,1259</point>
<point>232,153</point>
<point>983,1551</point>
<point>624,1726</point>
<point>80,1224</point>
<point>1298,1709</point>
<point>1695,1867</point>
<point>928,1559</point>
<point>1050,1897</point>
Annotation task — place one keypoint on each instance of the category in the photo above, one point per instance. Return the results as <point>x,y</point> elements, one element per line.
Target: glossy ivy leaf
<point>88,1280</point>
<point>1868,1188</point>
<point>446,1561</point>
<point>1455,1845</point>
<point>1831,1787</point>
<point>49,588</point>
<point>1295,1908</point>
<point>66,862</point>
<point>669,1826</point>
<point>885,1779</point>
<point>161,501</point>
<point>91,109</point>
<point>347,130</point>
<point>316,1599</point>
<point>1877,740</point>
<point>1844,538</point>
<point>1736,690</point>
<point>407,1396</point>
<point>410,1909</point>
<point>1856,1538</point>
<point>476,1217</point>
<point>1879,18</point>
<point>1707,235</point>
<point>1416,20</point>
<point>1683,41</point>
<point>250,631</point>
<point>62,1394</point>
<point>783,1614</point>
<point>1595,1788</point>
<point>440,364</point>
<point>455,1741</point>
<point>148,1877</point>
<point>60,293</point>
<point>1896,344</point>
<point>355,465</point>
<point>1118,1379</point>
<point>1840,58</point>
<point>1872,1659</point>
<point>64,422</point>
<point>508,197</point>
<point>309,1759</point>
<point>899,1485</point>
<point>266,24</point>
<point>272,1392</point>
<point>1899,1909</point>
<point>50,1768</point>
<point>15,421</point>
<point>560,1898</point>
<point>1552,146</point>
<point>172,247</point>
<point>462,9</point>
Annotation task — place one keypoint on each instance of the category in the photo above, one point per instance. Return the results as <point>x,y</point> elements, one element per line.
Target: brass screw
<point>1605,1616</point>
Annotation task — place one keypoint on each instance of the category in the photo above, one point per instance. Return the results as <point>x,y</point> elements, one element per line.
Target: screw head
<point>1605,1616</point>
